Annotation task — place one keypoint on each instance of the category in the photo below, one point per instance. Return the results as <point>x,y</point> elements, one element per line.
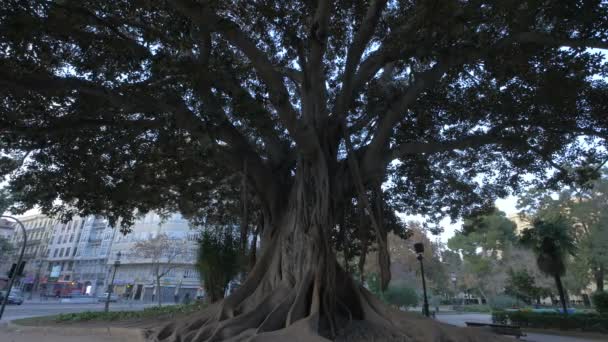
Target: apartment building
<point>78,256</point>
<point>39,229</point>
<point>135,277</point>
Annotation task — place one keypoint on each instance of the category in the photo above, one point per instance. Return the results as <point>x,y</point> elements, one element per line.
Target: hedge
<point>552,320</point>
<point>600,301</point>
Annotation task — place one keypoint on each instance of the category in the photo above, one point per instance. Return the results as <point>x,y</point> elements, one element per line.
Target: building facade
<point>136,276</point>
<point>78,257</point>
<point>39,229</point>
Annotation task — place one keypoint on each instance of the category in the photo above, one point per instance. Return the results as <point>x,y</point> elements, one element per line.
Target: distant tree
<point>484,241</point>
<point>586,206</point>
<point>522,285</point>
<point>552,242</point>
<point>163,254</point>
<point>400,294</point>
<point>218,260</point>
<point>6,249</point>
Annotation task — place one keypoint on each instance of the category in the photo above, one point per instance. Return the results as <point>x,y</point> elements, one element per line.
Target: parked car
<point>104,297</point>
<point>13,297</point>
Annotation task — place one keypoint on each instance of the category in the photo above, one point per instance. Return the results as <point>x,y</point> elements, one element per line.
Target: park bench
<point>500,329</point>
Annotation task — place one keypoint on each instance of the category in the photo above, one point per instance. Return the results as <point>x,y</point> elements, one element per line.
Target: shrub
<point>552,320</point>
<point>152,312</point>
<point>475,308</point>
<point>600,301</point>
<point>401,296</point>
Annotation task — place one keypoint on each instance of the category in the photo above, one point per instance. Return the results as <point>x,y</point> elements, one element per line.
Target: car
<point>104,297</point>
<point>13,297</point>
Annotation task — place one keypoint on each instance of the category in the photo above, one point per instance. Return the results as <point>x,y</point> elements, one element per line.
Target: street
<point>33,309</point>
<point>460,319</point>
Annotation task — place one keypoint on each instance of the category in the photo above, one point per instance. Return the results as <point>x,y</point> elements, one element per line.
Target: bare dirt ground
<point>12,333</point>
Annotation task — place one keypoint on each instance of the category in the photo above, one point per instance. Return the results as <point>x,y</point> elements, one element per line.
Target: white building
<point>135,277</point>
<point>92,252</point>
<point>39,229</point>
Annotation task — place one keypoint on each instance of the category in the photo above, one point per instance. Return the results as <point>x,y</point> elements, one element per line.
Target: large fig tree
<point>118,107</point>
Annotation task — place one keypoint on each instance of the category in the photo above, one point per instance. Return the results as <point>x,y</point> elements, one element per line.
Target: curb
<point>118,334</point>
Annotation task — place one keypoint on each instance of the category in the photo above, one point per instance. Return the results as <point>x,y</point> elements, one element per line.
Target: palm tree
<point>551,241</point>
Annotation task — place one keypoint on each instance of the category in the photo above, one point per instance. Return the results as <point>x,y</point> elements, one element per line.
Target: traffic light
<point>16,271</point>
<point>12,270</point>
<point>21,267</point>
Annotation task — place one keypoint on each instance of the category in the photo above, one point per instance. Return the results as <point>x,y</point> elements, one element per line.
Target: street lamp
<point>453,278</point>
<point>10,283</point>
<point>419,248</point>
<point>111,287</point>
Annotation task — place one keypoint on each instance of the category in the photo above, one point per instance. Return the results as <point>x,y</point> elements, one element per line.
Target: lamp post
<point>453,279</point>
<point>111,287</point>
<point>10,283</point>
<point>419,248</point>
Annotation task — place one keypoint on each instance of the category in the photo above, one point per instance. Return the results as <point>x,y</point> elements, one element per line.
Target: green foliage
<point>152,312</point>
<point>474,308</point>
<point>218,260</point>
<point>521,284</point>
<point>503,302</point>
<point>600,302</point>
<point>549,320</point>
<point>401,295</point>
<point>482,239</point>
<point>373,285</point>
<point>552,241</point>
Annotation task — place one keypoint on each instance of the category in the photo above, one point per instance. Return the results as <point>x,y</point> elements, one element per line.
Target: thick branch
<point>547,39</point>
<point>396,109</point>
<point>279,95</point>
<point>477,140</point>
<point>355,53</point>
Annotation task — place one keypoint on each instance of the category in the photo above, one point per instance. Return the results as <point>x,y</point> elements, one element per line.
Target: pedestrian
<point>187,298</point>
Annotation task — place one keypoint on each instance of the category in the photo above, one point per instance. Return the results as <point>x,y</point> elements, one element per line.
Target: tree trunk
<point>562,294</point>
<point>298,291</point>
<point>599,278</point>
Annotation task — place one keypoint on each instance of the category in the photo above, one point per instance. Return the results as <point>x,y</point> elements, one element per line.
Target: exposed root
<point>291,313</point>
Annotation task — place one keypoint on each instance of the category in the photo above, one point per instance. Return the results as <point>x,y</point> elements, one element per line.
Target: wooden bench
<point>501,329</point>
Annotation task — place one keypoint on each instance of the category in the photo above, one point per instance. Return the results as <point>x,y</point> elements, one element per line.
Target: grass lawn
<point>150,313</point>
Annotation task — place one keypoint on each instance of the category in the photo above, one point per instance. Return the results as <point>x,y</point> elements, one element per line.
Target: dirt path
<point>11,333</point>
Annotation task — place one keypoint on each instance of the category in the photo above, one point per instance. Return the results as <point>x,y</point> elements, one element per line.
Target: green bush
<point>475,308</point>
<point>600,302</point>
<point>151,312</point>
<point>401,296</point>
<point>553,320</point>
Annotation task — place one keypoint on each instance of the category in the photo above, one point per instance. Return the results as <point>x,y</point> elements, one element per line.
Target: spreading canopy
<point>116,107</point>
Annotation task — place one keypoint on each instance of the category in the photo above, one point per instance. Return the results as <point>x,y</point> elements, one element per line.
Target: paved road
<point>45,309</point>
<point>460,319</point>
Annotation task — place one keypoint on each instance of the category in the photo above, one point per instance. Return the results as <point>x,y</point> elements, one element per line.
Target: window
<point>66,277</point>
<point>61,253</point>
<point>55,253</point>
<point>67,252</point>
<point>75,249</point>
<point>65,238</point>
<point>71,237</point>
<point>70,265</point>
